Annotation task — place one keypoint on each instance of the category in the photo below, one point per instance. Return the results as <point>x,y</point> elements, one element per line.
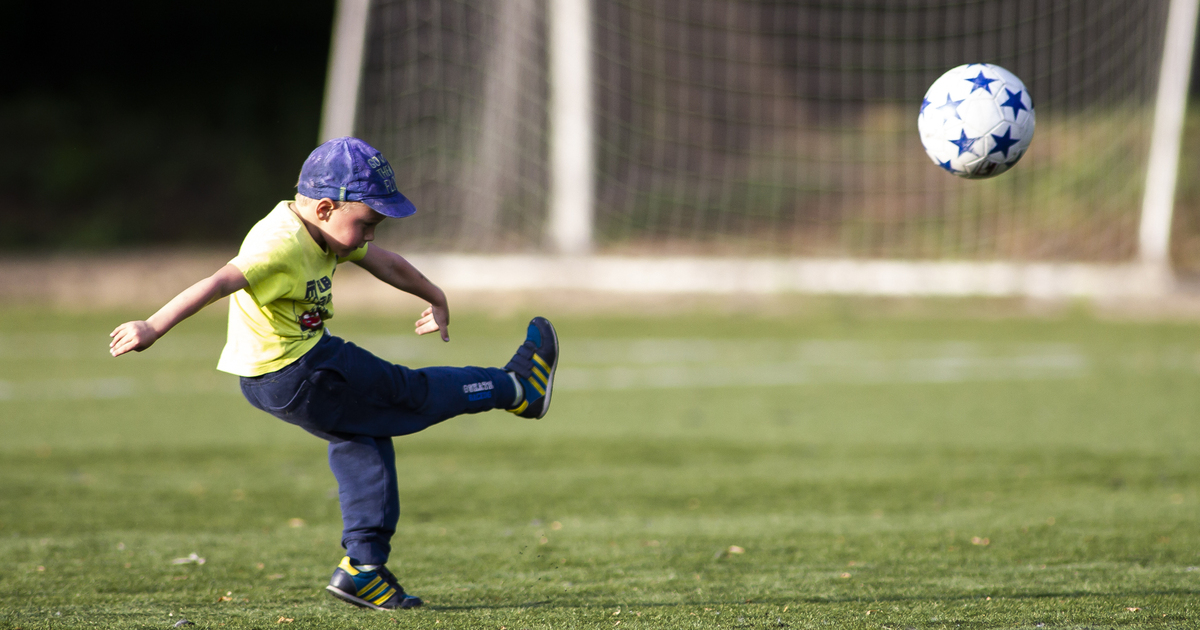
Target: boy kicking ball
<point>293,368</point>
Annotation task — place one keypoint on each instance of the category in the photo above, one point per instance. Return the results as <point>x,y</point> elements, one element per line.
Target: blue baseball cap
<point>348,169</point>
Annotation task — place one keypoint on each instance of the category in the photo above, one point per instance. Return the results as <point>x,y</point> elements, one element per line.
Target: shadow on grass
<point>780,601</point>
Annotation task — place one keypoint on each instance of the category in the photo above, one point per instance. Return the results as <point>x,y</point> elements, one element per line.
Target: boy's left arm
<point>393,269</point>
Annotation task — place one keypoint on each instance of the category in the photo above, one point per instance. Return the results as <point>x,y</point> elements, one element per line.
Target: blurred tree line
<point>143,122</point>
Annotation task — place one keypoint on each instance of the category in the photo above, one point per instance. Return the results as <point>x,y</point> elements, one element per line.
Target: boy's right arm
<point>140,335</point>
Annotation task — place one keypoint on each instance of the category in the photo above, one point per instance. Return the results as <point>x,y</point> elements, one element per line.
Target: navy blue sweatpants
<point>358,402</point>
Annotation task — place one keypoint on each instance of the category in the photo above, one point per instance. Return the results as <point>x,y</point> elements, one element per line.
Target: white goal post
<point>1159,201</point>
<point>345,68</point>
<point>651,91</point>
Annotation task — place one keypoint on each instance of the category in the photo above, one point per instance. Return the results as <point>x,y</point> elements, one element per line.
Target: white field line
<point>946,370</point>
<point>106,388</point>
<point>68,389</point>
<point>675,364</point>
<point>66,346</point>
<point>659,363</point>
<point>621,364</point>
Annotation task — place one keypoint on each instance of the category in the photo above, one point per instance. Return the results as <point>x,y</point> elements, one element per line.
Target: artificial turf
<point>831,469</point>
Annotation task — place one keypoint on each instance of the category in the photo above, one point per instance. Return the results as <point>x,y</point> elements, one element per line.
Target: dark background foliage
<point>155,122</point>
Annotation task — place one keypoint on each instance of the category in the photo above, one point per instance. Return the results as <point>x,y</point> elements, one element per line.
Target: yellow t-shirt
<point>282,314</point>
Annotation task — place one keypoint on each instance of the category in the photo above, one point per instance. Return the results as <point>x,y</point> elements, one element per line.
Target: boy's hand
<point>435,318</point>
<point>137,336</point>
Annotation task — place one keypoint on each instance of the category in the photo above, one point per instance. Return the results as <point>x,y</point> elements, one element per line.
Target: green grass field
<point>830,470</point>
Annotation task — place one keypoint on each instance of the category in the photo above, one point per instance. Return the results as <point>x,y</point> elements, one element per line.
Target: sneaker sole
<point>553,369</point>
<point>347,597</point>
<point>357,601</point>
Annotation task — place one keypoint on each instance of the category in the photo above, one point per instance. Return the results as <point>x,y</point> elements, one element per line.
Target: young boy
<point>294,369</point>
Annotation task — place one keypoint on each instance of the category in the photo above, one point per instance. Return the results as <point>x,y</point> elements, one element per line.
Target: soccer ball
<point>976,120</point>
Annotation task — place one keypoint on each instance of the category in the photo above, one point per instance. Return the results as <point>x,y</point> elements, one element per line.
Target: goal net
<point>727,130</point>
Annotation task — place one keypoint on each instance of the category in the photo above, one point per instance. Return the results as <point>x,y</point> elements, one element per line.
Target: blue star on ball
<point>925,103</point>
<point>1004,143</point>
<point>980,83</point>
<point>946,165</point>
<point>952,105</point>
<point>963,143</point>
<point>1014,101</point>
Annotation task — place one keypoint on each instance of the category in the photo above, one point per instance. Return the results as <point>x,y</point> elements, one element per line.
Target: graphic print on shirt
<point>317,295</point>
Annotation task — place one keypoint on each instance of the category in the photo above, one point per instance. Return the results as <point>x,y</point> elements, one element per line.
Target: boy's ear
<point>324,209</point>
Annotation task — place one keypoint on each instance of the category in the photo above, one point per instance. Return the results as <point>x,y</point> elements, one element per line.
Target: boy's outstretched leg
<point>357,401</point>
<point>534,365</point>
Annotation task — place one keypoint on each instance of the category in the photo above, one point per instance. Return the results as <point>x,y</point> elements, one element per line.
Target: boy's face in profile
<point>347,228</point>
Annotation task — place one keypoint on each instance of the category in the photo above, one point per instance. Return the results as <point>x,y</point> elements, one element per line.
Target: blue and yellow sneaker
<point>376,588</point>
<point>534,365</point>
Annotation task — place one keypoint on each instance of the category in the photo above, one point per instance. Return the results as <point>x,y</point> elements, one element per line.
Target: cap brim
<point>395,206</point>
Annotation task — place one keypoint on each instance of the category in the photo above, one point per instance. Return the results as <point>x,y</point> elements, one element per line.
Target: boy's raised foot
<point>376,588</point>
<point>534,365</point>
